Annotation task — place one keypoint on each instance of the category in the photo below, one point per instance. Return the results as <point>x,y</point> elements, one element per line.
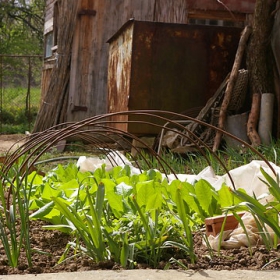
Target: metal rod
<point>9,55</point>
<point>28,113</point>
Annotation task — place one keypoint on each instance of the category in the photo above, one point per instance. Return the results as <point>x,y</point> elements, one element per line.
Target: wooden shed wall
<point>49,9</point>
<point>88,80</point>
<point>48,64</point>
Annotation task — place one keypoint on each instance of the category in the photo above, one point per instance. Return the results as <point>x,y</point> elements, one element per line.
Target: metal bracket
<point>79,108</point>
<point>86,12</point>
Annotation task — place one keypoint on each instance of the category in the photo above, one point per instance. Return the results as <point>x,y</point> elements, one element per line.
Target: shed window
<point>48,44</point>
<point>216,22</point>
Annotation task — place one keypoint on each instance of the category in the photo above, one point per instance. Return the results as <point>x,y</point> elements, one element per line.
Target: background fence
<point>20,82</point>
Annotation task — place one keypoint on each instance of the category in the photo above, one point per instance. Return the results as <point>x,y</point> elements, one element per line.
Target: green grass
<point>16,97</point>
<point>193,163</point>
<point>17,113</point>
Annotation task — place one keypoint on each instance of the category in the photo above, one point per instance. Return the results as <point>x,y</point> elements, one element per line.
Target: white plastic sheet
<point>238,237</point>
<point>246,177</point>
<point>113,158</point>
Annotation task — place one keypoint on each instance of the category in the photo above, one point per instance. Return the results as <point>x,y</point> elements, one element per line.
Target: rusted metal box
<point>166,66</point>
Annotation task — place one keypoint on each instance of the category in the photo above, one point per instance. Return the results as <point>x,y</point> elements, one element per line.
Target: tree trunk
<point>260,61</point>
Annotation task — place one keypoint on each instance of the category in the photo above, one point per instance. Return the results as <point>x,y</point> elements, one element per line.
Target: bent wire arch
<point>100,133</point>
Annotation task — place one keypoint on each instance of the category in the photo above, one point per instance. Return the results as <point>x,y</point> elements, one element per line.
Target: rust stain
<point>221,39</point>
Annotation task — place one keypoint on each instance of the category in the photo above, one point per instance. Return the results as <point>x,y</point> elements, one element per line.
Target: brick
<point>214,224</point>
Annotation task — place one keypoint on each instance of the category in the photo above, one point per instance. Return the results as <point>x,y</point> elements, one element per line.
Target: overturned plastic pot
<point>266,118</point>
<point>237,126</point>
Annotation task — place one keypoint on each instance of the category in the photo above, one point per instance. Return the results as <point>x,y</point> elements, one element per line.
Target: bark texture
<point>260,62</point>
<point>259,55</point>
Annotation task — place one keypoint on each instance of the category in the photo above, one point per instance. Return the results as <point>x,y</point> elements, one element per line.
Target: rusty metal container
<point>166,66</point>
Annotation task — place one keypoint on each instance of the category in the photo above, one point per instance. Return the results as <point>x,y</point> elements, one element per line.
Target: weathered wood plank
<point>171,11</point>
<point>90,50</point>
<point>49,9</point>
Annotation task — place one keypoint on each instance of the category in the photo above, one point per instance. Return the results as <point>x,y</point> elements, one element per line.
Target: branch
<point>231,83</point>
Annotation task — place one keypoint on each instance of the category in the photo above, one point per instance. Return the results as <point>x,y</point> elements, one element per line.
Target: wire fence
<point>20,83</point>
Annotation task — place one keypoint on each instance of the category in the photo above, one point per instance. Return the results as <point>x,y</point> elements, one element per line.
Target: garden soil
<point>12,142</point>
<point>51,245</point>
<point>48,247</point>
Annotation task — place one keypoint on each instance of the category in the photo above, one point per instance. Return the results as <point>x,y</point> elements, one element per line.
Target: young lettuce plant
<point>146,203</point>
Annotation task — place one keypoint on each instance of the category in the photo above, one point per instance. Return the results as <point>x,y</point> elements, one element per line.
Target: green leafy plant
<point>14,214</point>
<point>135,217</point>
<point>114,215</point>
<point>89,227</point>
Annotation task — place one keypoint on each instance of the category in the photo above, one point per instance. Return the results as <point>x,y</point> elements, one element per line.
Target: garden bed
<point>53,244</point>
<point>49,245</point>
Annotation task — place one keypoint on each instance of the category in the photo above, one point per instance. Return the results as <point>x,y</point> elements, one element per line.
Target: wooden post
<point>253,120</point>
<point>230,86</point>
<point>51,110</point>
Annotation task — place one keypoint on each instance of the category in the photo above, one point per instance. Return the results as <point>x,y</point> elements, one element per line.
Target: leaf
<point>273,185</point>
<point>203,191</point>
<point>124,251</point>
<point>116,203</point>
<point>154,175</point>
<point>188,195</point>
<point>144,191</point>
<point>69,187</point>
<point>61,227</point>
<point>185,221</point>
<point>226,198</point>
<point>249,199</point>
<point>43,211</point>
<point>123,189</point>
<point>48,192</point>
<point>143,177</point>
<point>35,178</point>
<point>259,210</point>
<point>66,173</point>
<point>155,201</point>
<point>94,223</point>
<point>101,173</point>
<point>108,183</point>
<point>118,172</point>
<point>70,215</point>
<point>100,194</point>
